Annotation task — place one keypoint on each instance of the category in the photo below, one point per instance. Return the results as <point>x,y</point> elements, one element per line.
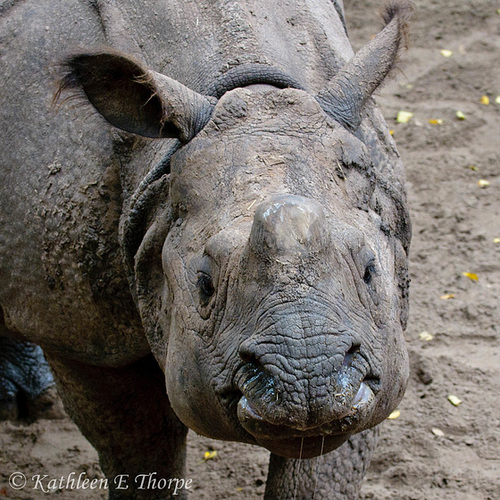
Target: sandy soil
<point>434,450</point>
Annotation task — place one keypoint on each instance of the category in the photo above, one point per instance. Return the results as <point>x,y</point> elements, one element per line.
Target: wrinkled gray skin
<point>252,258</point>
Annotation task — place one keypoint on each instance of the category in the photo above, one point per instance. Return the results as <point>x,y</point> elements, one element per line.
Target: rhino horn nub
<point>345,98</point>
<point>134,98</point>
<point>288,226</point>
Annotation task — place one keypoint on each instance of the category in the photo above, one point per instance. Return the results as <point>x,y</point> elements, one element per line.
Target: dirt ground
<point>434,449</point>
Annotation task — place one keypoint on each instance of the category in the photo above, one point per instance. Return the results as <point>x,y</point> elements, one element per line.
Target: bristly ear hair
<point>347,94</point>
<point>75,63</point>
<point>402,10</point>
<point>118,86</point>
<point>132,97</point>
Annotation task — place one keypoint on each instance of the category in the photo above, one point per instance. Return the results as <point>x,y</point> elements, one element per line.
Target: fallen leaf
<point>446,53</point>
<point>404,116</point>
<point>483,183</point>
<point>497,99</point>
<point>447,296</point>
<point>460,115</point>
<point>391,132</point>
<point>471,276</point>
<point>454,400</point>
<point>437,432</point>
<point>496,240</point>
<point>425,336</point>
<point>252,204</point>
<point>394,415</point>
<point>436,121</point>
<point>209,455</point>
<point>485,100</point>
<point>473,167</point>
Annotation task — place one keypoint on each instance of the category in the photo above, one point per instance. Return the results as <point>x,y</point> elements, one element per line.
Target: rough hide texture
<point>253,261</point>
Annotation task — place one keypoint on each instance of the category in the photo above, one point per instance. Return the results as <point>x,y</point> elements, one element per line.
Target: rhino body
<point>223,247</point>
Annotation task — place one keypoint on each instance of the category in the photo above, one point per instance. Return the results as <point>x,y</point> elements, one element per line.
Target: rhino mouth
<point>259,413</point>
<point>308,443</point>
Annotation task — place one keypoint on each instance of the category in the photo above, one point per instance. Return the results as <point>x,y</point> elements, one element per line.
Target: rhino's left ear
<point>136,99</point>
<point>347,94</point>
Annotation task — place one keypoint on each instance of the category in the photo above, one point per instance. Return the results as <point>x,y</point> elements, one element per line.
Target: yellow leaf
<point>483,183</point>
<point>425,336</point>
<point>446,53</point>
<point>404,116</point>
<point>394,415</point>
<point>447,296</point>
<point>497,99</point>
<point>454,400</point>
<point>496,240</point>
<point>460,115</point>
<point>251,204</point>
<point>209,455</point>
<point>485,100</point>
<point>471,276</point>
<point>436,121</point>
<point>391,132</point>
<point>437,432</point>
<point>472,167</point>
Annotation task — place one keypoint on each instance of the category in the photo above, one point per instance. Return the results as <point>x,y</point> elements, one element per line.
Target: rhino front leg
<point>335,476</point>
<point>125,414</point>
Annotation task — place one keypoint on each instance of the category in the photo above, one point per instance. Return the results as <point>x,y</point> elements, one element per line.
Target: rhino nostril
<point>348,358</point>
<point>248,357</point>
<point>373,382</point>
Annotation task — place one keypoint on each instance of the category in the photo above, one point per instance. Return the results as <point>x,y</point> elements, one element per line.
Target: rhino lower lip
<point>287,442</point>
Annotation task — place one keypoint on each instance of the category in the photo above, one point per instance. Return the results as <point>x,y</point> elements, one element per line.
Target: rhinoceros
<point>211,232</point>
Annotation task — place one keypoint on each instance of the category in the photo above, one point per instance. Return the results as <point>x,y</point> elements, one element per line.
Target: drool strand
<point>298,466</point>
<point>320,459</point>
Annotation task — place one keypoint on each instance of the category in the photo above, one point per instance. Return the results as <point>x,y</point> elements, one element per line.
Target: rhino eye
<point>206,288</point>
<point>370,271</point>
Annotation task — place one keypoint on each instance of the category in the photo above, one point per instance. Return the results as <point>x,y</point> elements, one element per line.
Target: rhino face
<point>282,309</point>
<point>272,281</point>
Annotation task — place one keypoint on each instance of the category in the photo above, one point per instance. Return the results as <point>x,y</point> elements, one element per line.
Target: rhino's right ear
<point>136,99</point>
<point>347,94</point>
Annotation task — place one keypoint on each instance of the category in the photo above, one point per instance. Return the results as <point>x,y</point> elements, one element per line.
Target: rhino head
<point>272,275</point>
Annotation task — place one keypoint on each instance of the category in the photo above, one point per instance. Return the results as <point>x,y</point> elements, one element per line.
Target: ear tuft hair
<point>79,68</point>
<point>402,10</point>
